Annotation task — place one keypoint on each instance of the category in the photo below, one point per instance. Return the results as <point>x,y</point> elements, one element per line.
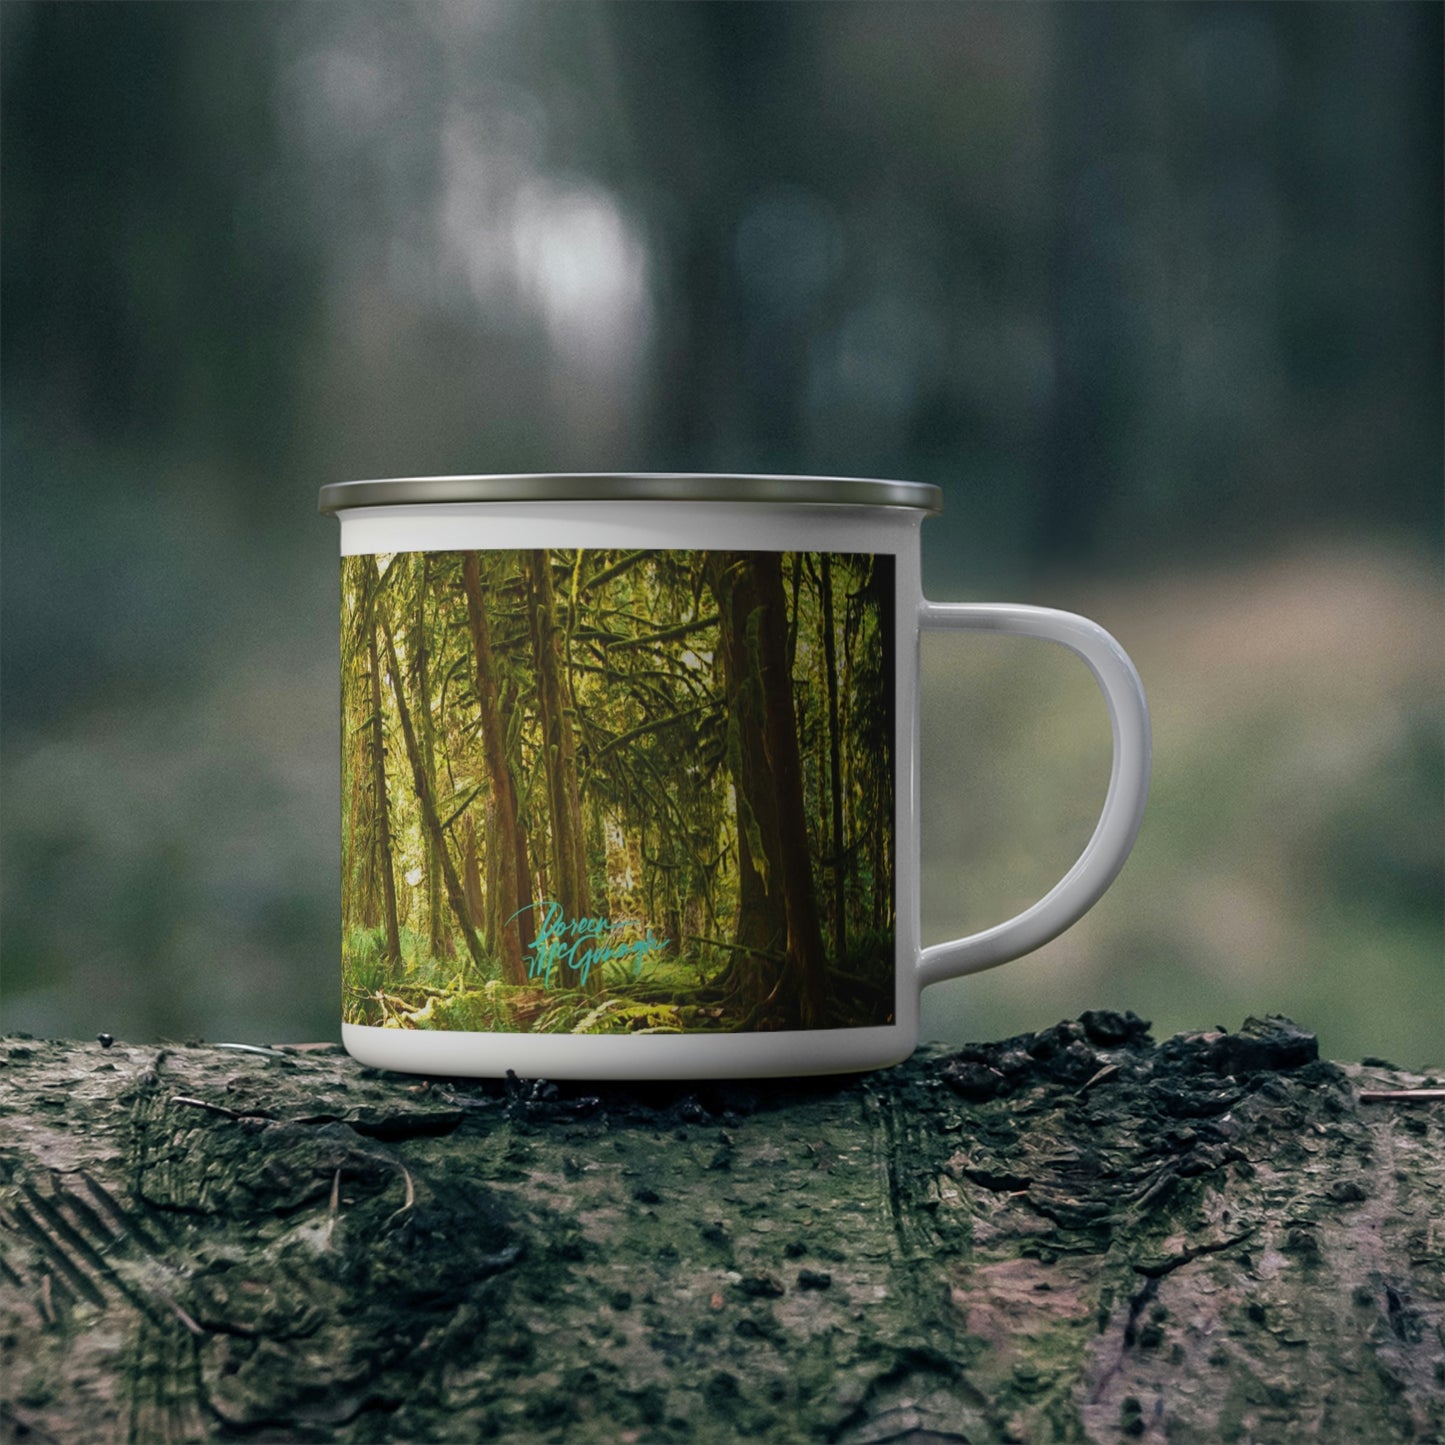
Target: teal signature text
<point>578,945</point>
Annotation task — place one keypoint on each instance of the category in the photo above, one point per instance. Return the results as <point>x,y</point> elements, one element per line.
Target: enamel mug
<point>630,775</point>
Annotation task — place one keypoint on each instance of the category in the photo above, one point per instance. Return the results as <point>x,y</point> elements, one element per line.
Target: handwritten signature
<point>582,944</point>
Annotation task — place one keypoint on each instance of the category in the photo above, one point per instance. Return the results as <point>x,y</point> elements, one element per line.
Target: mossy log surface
<point>1073,1235</point>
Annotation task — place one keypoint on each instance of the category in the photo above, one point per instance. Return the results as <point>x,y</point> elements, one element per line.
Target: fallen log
<point>1072,1235</point>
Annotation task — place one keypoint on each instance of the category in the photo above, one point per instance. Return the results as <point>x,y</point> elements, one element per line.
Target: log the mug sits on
<point>630,780</point>
<point>1077,1234</point>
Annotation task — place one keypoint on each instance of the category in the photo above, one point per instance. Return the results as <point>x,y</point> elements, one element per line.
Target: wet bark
<point>1077,1235</point>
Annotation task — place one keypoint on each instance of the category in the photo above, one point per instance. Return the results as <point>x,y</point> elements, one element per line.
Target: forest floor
<point>686,994</point>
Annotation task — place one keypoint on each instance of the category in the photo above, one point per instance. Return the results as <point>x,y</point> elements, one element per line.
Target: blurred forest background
<point>1153,292</point>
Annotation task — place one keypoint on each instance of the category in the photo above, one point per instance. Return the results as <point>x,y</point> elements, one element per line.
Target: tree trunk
<point>439,936</point>
<point>874,678</point>
<point>382,808</point>
<point>760,931</point>
<point>528,875</point>
<point>426,801</point>
<point>360,896</point>
<point>777,907</point>
<point>472,883</point>
<point>1073,1236</point>
<point>835,770</point>
<point>510,902</point>
<point>559,747</point>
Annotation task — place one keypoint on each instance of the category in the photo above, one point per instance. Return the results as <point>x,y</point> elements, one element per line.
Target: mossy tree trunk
<point>425,787</point>
<point>838,865</point>
<point>1075,1235</point>
<point>782,965</point>
<point>510,903</point>
<point>385,863</point>
<point>557,718</point>
<point>440,943</point>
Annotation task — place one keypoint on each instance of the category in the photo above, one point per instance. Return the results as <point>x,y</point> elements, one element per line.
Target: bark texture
<point>385,866</point>
<point>514,871</point>
<point>559,748</point>
<point>782,967</point>
<point>1077,1235</point>
<point>427,803</point>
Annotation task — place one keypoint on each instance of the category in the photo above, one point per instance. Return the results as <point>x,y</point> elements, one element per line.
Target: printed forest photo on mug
<point>613,791</point>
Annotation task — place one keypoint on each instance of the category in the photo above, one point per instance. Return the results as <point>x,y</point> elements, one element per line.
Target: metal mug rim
<point>631,487</point>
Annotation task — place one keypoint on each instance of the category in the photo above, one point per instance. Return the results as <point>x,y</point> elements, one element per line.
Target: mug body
<point>629,780</point>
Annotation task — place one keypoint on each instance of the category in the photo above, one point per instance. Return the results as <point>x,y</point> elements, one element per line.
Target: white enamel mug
<point>630,775</point>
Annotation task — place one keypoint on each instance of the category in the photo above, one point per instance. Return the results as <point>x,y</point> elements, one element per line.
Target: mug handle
<point>1099,864</point>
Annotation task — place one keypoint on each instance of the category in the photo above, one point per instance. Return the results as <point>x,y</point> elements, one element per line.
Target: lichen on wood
<point>1075,1235</point>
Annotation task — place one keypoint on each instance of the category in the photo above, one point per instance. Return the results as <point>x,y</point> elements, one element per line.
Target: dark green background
<point>1152,291</point>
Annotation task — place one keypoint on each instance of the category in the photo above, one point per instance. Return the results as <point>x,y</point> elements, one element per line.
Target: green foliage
<point>481,1010</point>
<point>364,969</point>
<point>601,682</point>
<point>424,992</point>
